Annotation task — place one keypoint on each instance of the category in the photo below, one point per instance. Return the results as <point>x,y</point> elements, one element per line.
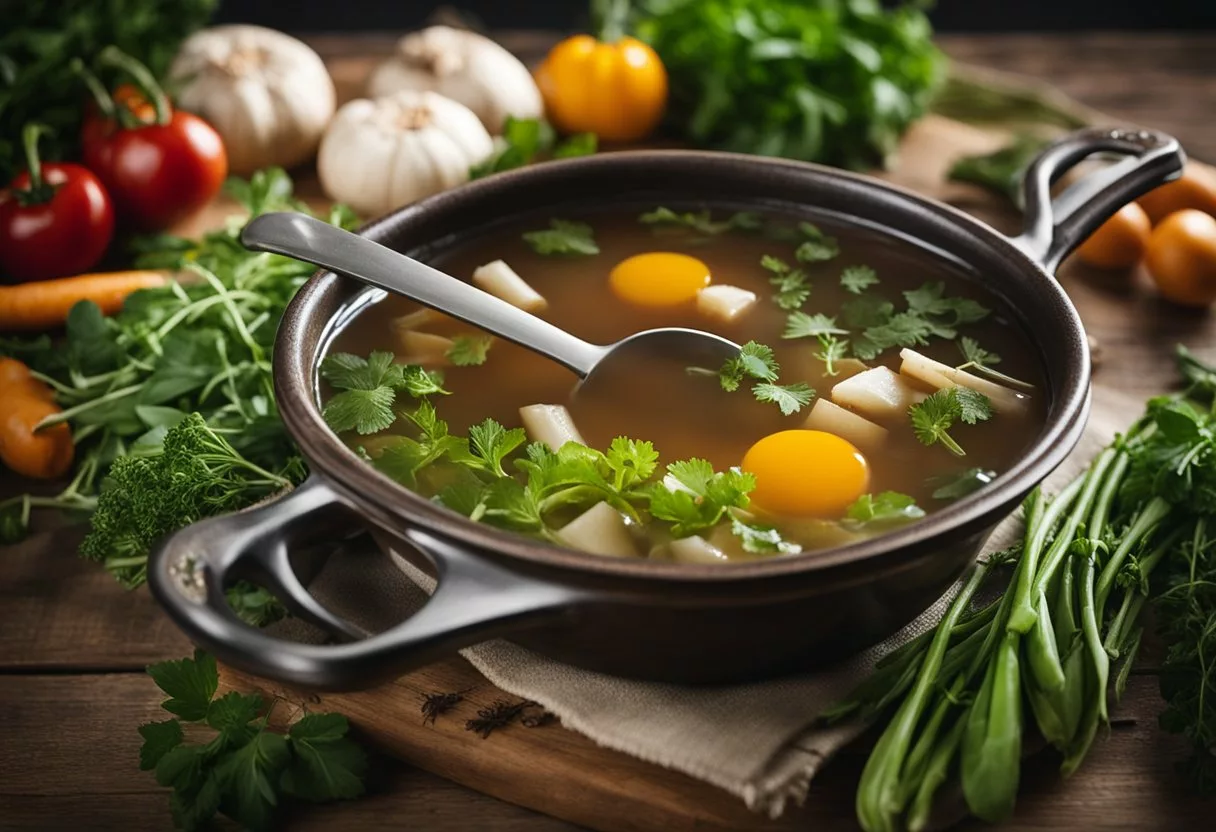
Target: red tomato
<point>157,174</point>
<point>55,220</point>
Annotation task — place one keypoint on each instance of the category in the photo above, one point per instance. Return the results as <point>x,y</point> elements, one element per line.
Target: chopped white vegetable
<point>696,550</point>
<point>877,393</point>
<point>832,418</point>
<point>417,319</point>
<point>551,424</point>
<point>600,530</point>
<point>424,348</point>
<point>499,279</point>
<point>724,303</point>
<point>941,376</point>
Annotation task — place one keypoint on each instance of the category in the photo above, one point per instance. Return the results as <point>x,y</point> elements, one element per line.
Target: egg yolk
<point>659,278</point>
<point>806,473</point>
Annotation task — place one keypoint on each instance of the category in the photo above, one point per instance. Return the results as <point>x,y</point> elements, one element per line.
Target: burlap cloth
<point>756,741</point>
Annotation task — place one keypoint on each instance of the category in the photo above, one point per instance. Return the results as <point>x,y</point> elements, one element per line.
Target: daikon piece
<point>499,279</point>
<point>600,530</point>
<point>696,549</point>
<point>424,348</point>
<point>940,376</point>
<point>832,418</point>
<point>417,319</point>
<point>877,393</point>
<point>550,424</point>
<point>724,303</point>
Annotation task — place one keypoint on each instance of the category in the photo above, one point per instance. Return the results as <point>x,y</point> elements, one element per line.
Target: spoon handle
<point>313,241</point>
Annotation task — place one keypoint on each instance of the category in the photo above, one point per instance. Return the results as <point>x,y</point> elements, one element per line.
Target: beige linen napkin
<point>755,741</point>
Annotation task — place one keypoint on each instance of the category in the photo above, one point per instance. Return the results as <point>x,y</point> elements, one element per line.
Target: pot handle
<point>1055,228</point>
<point>475,599</point>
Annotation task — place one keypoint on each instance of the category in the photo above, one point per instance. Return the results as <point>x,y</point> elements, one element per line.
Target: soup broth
<point>870,450</point>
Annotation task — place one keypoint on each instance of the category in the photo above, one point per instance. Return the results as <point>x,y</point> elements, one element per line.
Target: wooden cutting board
<point>549,768</point>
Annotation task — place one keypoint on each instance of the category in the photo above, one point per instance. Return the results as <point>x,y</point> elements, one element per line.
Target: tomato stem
<point>152,91</point>
<point>608,19</point>
<point>38,191</point>
<point>105,104</point>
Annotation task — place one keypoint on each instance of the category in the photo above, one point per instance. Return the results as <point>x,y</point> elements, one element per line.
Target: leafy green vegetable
<point>935,416</point>
<point>789,397</point>
<point>930,313</point>
<point>663,219</point>
<point>888,508</point>
<point>802,325</point>
<point>38,42</point>
<point>753,361</point>
<point>1001,171</point>
<point>704,498</point>
<point>491,442</point>
<point>523,139</point>
<point>563,237</point>
<point>469,350</point>
<point>857,279</point>
<point>964,483</point>
<point>246,769</point>
<point>805,79</point>
<point>817,246</point>
<point>369,389</point>
<point>791,284</point>
<point>975,354</point>
<point>763,540</point>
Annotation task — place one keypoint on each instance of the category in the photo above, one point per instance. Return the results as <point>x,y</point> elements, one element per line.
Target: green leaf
<point>364,411</point>
<point>753,361</point>
<point>973,406</point>
<point>700,221</point>
<point>789,397</point>
<point>563,237</point>
<point>817,246</point>
<point>325,765</point>
<point>189,683</point>
<point>933,417</point>
<point>802,325</point>
<point>866,311</point>
<point>469,350</point>
<point>159,739</point>
<point>491,442</point>
<point>352,372</point>
<point>195,809</point>
<point>885,509</point>
<point>579,144</point>
<point>234,710</point>
<point>762,539</point>
<point>857,279</point>
<point>631,461</point>
<point>511,506</point>
<point>249,776</point>
<point>420,383</point>
<point>831,350</point>
<point>92,345</point>
<point>694,474</point>
<point>181,767</point>
<point>973,353</point>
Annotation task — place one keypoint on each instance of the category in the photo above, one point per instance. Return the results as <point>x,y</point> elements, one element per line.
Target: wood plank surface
<point>72,641</point>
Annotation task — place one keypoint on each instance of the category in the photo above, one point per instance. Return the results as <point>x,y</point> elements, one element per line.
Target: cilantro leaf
<point>326,765</point>
<point>491,443</point>
<point>420,383</point>
<point>632,462</point>
<point>762,539</point>
<point>856,279</point>
<point>563,237</point>
<point>346,371</point>
<point>578,144</point>
<point>887,508</point>
<point>901,330</point>
<point>943,314</point>
<point>933,417</point>
<point>866,311</point>
<point>469,350</point>
<point>369,390</point>
<point>704,499</point>
<point>967,482</point>
<point>831,350</point>
<point>753,361</point>
<point>190,684</point>
<point>510,505</point>
<point>159,739</point>
<point>694,474</point>
<point>700,221</point>
<point>973,406</point>
<point>248,777</point>
<point>974,354</point>
<point>802,325</point>
<point>791,284</point>
<point>789,397</point>
<point>817,246</point>
<point>363,411</point>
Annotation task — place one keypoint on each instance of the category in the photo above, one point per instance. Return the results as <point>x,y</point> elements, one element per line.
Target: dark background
<point>948,15</point>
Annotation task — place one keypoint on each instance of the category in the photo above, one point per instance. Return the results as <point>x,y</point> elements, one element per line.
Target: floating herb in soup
<point>876,384</point>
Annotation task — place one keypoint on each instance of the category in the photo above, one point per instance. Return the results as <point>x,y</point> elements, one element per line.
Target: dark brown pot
<point>640,618</point>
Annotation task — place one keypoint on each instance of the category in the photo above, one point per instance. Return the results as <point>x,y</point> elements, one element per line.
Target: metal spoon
<point>313,241</point>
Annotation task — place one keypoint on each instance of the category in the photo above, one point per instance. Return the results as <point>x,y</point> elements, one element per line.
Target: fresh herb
<point>500,714</point>
<point>563,237</point>
<point>831,350</point>
<point>943,314</point>
<point>369,389</point>
<point>981,361</point>
<point>933,418</point>
<point>756,361</point>
<point>523,139</point>
<point>888,508</point>
<point>962,484</point>
<point>246,770</point>
<point>491,443</point>
<point>802,325</point>
<point>1002,171</point>
<point>789,397</point>
<point>702,497</point>
<point>791,284</point>
<point>435,705</point>
<point>816,246</point>
<point>930,313</point>
<point>857,279</point>
<point>763,540</point>
<point>254,604</point>
<point>469,350</point>
<point>822,81</point>
<point>700,221</point>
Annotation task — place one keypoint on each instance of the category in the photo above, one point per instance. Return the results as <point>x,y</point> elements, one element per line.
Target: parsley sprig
<point>933,418</point>
<point>563,237</point>
<point>369,388</point>
<point>245,770</point>
<point>469,350</point>
<point>665,220</point>
<point>755,361</point>
<point>792,288</point>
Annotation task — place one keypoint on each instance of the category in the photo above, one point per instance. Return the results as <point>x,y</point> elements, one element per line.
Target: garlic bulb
<point>382,154</point>
<point>267,94</point>
<point>465,67</point>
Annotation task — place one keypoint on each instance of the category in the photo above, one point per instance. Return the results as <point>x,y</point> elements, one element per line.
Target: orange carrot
<point>24,402</point>
<point>43,304</point>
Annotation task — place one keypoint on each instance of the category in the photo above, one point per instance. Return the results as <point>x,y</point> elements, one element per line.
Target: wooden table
<point>73,644</point>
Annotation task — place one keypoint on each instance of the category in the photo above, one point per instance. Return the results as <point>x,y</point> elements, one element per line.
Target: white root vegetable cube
<point>832,418</point>
<point>696,549</point>
<point>600,530</point>
<point>550,424</point>
<point>417,319</point>
<point>941,376</point>
<point>499,279</point>
<point>424,348</point>
<point>724,303</point>
<point>877,394</point>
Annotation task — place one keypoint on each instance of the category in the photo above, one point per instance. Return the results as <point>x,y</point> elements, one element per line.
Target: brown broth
<point>580,300</point>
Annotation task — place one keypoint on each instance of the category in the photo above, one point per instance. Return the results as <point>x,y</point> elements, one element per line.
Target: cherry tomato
<point>159,165</point>
<point>55,219</point>
<point>1182,257</point>
<point>1119,242</point>
<point>46,454</point>
<point>1196,188</point>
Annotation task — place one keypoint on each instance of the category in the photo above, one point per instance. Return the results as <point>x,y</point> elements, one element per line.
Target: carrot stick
<point>43,304</point>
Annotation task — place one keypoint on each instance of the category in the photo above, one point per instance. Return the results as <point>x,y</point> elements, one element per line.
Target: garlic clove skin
<point>379,155</point>
<point>465,67</point>
<point>268,94</point>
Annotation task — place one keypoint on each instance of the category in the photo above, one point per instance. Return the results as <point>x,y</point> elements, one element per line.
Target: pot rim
<point>366,488</point>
